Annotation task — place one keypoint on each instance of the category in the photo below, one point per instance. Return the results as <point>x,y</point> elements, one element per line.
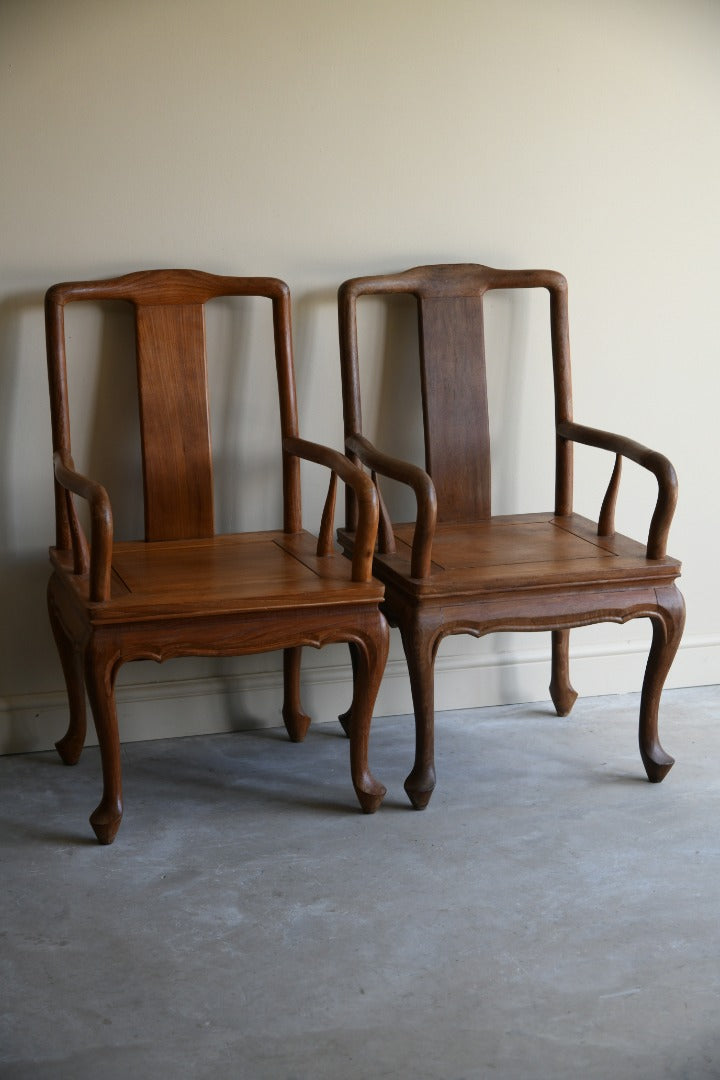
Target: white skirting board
<point>164,709</point>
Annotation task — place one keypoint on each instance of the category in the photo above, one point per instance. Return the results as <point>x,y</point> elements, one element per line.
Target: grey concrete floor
<point>551,915</point>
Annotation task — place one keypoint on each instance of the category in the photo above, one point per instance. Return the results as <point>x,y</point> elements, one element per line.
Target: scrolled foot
<point>105,820</point>
<point>562,693</point>
<point>657,763</point>
<point>70,748</point>
<point>296,724</point>
<point>563,698</point>
<point>295,720</point>
<point>370,793</point>
<point>419,787</point>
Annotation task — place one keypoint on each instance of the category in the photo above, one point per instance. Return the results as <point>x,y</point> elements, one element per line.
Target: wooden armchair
<point>184,591</point>
<point>456,568</point>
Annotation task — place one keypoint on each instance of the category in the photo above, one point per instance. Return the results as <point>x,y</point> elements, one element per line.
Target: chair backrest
<point>453,380</point>
<point>171,361</point>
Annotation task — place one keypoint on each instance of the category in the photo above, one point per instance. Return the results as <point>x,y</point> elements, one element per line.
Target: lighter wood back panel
<point>174,421</point>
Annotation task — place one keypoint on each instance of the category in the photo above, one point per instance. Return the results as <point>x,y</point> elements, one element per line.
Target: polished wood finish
<point>452,354</point>
<point>456,568</point>
<point>183,590</point>
<point>174,421</point>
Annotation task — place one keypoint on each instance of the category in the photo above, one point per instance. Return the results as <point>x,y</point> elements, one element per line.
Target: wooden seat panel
<point>531,551</point>
<point>492,544</point>
<point>520,552</point>
<point>224,574</point>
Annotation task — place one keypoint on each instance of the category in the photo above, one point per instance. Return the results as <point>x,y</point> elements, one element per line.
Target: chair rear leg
<point>420,655</point>
<point>562,693</point>
<point>370,657</point>
<point>346,717</point>
<point>295,720</point>
<point>72,742</point>
<point>667,631</point>
<point>100,672</point>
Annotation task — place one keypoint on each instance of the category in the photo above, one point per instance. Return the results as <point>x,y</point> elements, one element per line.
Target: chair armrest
<point>651,460</point>
<point>365,493</point>
<point>424,489</point>
<point>101,528</point>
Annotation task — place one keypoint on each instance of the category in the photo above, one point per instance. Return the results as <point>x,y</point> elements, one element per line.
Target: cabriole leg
<point>72,742</point>
<point>667,632</point>
<point>562,693</point>
<point>100,675</point>
<point>420,655</point>
<point>296,722</point>
<point>370,657</point>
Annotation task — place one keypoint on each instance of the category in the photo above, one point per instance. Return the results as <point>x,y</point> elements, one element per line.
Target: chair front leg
<point>420,643</point>
<point>295,720</point>
<point>100,672</point>
<point>562,693</point>
<point>72,742</point>
<point>370,652</point>
<point>667,631</point>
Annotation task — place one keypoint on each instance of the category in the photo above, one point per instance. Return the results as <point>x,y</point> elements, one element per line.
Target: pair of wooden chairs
<point>184,590</point>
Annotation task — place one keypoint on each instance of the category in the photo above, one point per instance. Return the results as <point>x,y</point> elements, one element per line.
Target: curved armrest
<point>655,462</point>
<point>365,493</point>
<point>101,526</point>
<point>424,489</point>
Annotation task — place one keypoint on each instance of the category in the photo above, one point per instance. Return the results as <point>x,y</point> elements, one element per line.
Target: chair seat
<point>458,569</point>
<point>184,591</point>
<point>526,551</point>
<point>262,571</point>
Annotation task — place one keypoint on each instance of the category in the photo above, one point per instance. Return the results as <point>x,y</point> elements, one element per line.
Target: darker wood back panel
<point>449,297</point>
<point>174,421</point>
<point>455,406</point>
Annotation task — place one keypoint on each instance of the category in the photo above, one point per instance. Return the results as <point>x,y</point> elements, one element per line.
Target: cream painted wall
<point>323,139</point>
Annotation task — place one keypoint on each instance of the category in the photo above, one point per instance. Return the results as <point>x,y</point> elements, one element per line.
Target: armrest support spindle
<point>101,528</point>
<point>651,460</point>
<point>386,536</point>
<point>325,537</point>
<point>365,493</point>
<point>606,521</point>
<point>421,484</point>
